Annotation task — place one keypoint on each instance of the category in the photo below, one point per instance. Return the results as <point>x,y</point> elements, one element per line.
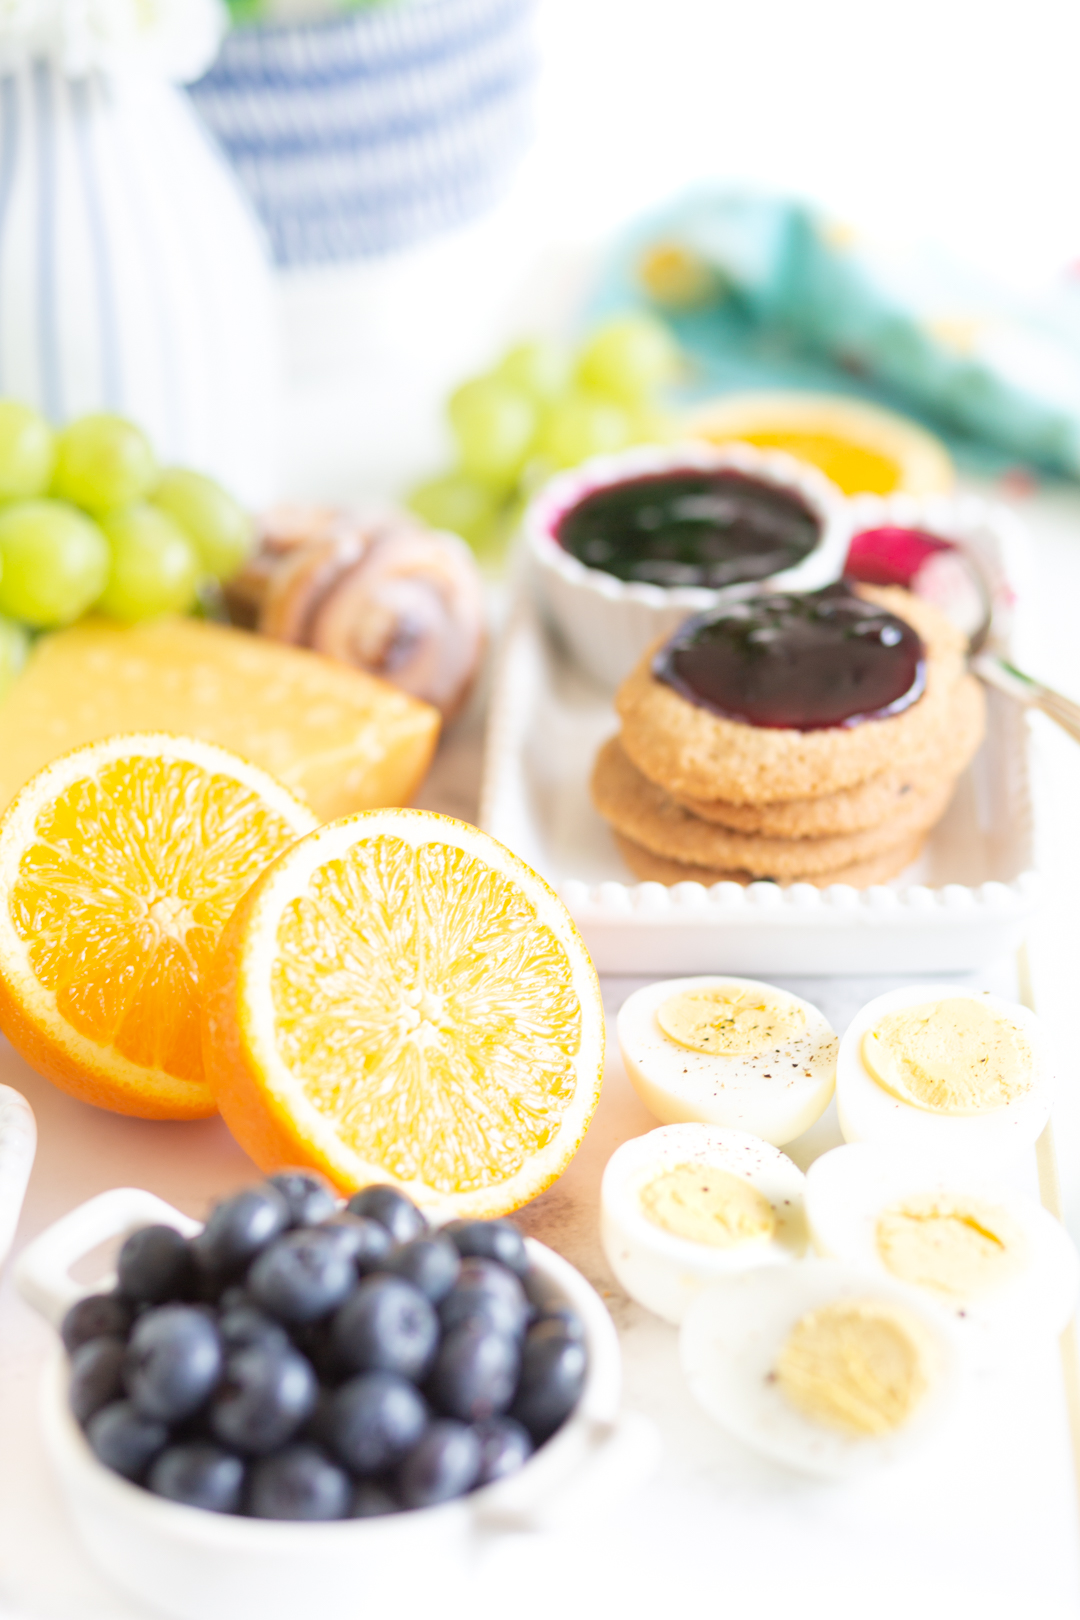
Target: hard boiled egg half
<point>730,1052</point>
<point>686,1204</point>
<point>1002,1264</point>
<point>957,1074</point>
<point>823,1366</point>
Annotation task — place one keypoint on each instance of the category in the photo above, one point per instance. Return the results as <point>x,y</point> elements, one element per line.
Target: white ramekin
<point>18,1140</point>
<point>608,623</point>
<point>197,1565</point>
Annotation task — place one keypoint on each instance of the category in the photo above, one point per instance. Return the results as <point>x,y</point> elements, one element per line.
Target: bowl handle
<point>43,1270</point>
<point>18,1139</point>
<point>608,1461</point>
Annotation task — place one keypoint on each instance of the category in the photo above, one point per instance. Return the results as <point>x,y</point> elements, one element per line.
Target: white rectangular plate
<point>964,902</point>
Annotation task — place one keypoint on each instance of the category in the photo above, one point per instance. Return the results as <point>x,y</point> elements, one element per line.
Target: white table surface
<point>985,1517</point>
<point>985,1522</point>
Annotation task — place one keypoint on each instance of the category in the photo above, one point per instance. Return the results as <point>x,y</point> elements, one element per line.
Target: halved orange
<point>862,448</point>
<point>119,865</point>
<point>399,998</point>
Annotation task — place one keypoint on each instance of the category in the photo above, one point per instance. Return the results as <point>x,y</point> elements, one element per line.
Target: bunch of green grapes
<point>541,409</point>
<point>89,520</point>
<point>243,13</point>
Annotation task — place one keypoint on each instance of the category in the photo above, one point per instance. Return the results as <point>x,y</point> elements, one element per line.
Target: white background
<point>954,122</point>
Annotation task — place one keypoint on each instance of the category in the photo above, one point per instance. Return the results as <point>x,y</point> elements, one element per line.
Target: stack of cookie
<point>692,794</point>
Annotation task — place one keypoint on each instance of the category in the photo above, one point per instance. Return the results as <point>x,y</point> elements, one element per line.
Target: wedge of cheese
<point>340,739</point>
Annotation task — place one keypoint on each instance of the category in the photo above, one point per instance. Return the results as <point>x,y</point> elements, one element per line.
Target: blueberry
<point>200,1474</point>
<point>391,1209</point>
<point>430,1263</point>
<point>373,1420</point>
<point>552,1376</point>
<point>310,1197</point>
<point>95,1377</point>
<point>318,1429</point>
<point>265,1396</point>
<point>301,1277</point>
<point>475,1373</point>
<point>370,1500</point>
<point>233,1296</point>
<point>243,1325</point>
<point>486,1293</point>
<point>124,1440</point>
<point>299,1483</point>
<point>363,1241</point>
<point>155,1265</point>
<point>96,1316</point>
<point>317,1343</point>
<point>561,1323</point>
<point>173,1361</point>
<point>238,1228</point>
<point>444,1463</point>
<point>490,1240</point>
<point>504,1447</point>
<point>386,1325</point>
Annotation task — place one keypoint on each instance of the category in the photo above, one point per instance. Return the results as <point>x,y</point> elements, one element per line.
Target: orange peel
<point>399,998</point>
<point>120,863</point>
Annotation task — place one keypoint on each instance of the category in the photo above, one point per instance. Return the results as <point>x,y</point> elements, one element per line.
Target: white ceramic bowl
<point>18,1139</point>
<point>197,1565</point>
<point>609,623</point>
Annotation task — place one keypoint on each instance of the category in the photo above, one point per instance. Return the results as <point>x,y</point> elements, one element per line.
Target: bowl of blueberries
<point>308,1402</point>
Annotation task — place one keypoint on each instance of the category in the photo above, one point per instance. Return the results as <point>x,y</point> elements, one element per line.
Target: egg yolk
<point>950,1057</point>
<point>960,1247</point>
<point>858,1366</point>
<point>730,1022</point>
<point>708,1206</point>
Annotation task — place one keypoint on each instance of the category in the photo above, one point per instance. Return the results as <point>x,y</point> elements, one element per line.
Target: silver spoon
<point>954,580</point>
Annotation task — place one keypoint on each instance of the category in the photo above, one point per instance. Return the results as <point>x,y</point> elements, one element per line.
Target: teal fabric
<point>791,305</point>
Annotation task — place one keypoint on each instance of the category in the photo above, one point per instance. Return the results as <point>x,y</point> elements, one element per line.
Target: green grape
<point>492,547</point>
<point>651,427</point>
<point>219,529</point>
<point>540,369</point>
<point>154,566</point>
<point>627,358</point>
<point>14,646</point>
<point>456,503</point>
<point>53,562</point>
<point>27,452</point>
<point>581,426</point>
<point>494,425</point>
<point>102,463</point>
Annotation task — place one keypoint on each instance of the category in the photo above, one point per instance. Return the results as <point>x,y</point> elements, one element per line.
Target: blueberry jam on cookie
<point>690,528</point>
<point>805,662</point>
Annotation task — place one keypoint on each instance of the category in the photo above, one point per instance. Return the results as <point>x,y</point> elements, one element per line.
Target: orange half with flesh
<point>120,863</point>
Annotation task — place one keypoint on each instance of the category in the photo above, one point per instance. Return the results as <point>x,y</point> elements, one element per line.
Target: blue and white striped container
<point>372,132</point>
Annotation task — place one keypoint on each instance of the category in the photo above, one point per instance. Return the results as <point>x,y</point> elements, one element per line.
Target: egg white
<point>732,1336</point>
<point>776,1095</point>
<point>869,1113</point>
<point>663,1271</point>
<point>849,1189</point>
